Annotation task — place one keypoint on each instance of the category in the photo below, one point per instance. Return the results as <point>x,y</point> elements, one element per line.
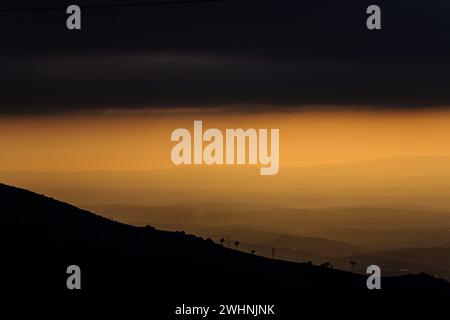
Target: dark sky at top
<point>242,55</point>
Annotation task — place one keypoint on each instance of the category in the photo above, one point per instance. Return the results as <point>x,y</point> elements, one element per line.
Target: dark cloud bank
<point>253,53</point>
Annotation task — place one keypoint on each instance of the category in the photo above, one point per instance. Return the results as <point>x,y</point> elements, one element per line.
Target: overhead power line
<point>115,5</point>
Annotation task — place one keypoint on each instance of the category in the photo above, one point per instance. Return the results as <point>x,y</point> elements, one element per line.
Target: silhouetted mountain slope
<point>43,236</point>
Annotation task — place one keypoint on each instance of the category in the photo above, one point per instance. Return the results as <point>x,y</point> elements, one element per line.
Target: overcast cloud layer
<point>246,55</point>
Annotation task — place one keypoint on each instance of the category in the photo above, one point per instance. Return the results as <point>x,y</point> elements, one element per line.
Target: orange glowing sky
<point>142,142</point>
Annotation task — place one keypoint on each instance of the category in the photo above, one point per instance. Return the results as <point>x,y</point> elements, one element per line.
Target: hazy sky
<point>132,142</point>
<point>107,97</point>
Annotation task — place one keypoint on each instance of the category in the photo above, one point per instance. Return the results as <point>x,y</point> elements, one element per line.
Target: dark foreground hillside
<point>42,236</point>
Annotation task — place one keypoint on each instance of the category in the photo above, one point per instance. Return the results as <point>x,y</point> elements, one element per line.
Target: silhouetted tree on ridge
<point>353,264</point>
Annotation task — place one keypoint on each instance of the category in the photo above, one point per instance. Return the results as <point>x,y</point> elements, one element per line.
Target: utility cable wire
<point>115,5</point>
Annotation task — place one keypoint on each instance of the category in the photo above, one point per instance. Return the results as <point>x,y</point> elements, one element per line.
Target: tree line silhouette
<point>326,264</point>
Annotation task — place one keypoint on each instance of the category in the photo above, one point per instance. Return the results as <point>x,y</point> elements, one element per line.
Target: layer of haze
<point>326,159</point>
<point>142,142</point>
